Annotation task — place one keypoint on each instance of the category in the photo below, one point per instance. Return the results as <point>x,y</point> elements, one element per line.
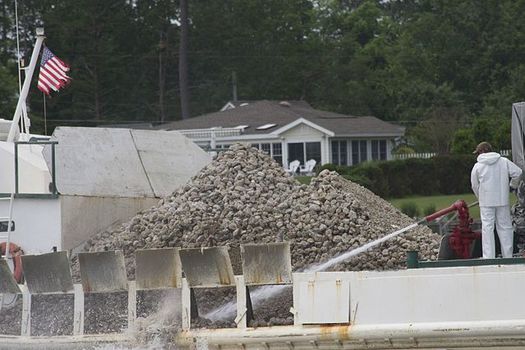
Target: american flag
<point>52,73</point>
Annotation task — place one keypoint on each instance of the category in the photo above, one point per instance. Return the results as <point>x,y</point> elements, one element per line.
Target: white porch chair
<point>292,167</point>
<point>308,167</point>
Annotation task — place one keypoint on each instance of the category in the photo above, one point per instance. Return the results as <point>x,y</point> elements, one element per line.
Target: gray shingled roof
<point>258,113</point>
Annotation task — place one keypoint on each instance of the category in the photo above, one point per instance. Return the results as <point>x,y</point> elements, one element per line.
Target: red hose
<point>16,253</point>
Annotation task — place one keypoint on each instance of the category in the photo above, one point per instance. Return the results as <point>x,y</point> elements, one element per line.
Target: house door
<point>296,152</point>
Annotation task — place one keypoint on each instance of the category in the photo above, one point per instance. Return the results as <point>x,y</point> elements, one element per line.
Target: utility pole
<point>162,75</point>
<point>183,61</point>
<point>234,86</point>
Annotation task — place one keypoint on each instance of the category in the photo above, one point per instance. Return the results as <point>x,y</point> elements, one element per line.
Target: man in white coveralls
<point>490,178</point>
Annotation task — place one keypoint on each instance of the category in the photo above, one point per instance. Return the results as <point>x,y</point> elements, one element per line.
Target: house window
<point>339,153</point>
<point>265,147</point>
<point>313,151</point>
<point>304,151</point>
<point>296,152</point>
<point>359,152</point>
<point>362,151</point>
<point>379,149</point>
<point>4,226</point>
<point>274,150</point>
<point>277,152</point>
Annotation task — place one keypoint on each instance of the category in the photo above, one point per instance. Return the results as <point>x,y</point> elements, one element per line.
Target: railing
<point>414,155</point>
<point>426,155</point>
<point>209,134</point>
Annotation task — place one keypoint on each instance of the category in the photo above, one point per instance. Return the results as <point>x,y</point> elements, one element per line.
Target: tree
<point>463,142</point>
<point>8,91</point>
<point>436,133</point>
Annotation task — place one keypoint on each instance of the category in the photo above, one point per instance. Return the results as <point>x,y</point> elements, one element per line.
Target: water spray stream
<point>263,293</point>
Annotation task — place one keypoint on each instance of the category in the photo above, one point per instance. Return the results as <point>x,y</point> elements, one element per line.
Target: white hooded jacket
<point>490,178</point>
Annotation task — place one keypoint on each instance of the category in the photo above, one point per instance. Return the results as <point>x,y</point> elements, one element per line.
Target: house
<point>293,130</point>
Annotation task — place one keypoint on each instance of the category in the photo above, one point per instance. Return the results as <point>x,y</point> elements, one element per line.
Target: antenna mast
<point>21,105</point>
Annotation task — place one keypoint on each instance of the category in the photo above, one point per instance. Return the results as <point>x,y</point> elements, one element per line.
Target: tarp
<point>123,162</point>
<point>518,134</point>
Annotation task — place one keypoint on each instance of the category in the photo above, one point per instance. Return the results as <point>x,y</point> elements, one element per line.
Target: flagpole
<point>27,83</point>
<point>45,114</point>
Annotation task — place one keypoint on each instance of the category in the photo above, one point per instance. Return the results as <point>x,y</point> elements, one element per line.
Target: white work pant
<point>501,217</point>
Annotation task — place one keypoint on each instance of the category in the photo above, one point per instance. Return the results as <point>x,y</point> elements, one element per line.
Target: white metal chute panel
<point>48,273</point>
<point>321,298</point>
<point>158,268</point>
<point>207,267</point>
<point>103,271</point>
<point>268,263</point>
<point>459,294</point>
<point>98,162</point>
<point>169,159</point>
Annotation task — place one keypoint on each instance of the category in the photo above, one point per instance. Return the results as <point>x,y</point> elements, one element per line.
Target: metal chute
<point>8,284</point>
<point>207,267</point>
<point>47,273</point>
<point>264,264</point>
<point>158,268</point>
<point>103,271</point>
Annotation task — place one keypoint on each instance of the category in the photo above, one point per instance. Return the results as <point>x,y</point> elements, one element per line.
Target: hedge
<point>448,174</point>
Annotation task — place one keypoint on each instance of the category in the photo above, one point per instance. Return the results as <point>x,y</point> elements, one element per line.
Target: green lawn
<point>305,180</point>
<point>441,202</point>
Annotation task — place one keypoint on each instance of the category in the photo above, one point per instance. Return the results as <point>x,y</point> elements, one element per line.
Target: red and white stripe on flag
<point>53,71</point>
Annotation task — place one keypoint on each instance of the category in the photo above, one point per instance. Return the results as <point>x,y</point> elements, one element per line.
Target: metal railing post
<point>53,168</point>
<point>16,167</point>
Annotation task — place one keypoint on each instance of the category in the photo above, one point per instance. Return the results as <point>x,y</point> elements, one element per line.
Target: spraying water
<point>154,332</point>
<point>345,256</point>
<point>263,293</point>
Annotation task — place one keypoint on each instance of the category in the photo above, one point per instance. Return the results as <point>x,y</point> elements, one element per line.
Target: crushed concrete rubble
<point>11,316</point>
<point>244,196</point>
<point>52,314</point>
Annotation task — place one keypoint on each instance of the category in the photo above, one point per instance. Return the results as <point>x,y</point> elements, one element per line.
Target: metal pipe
<point>9,219</point>
<point>431,331</point>
<point>54,190</point>
<point>16,167</point>
<point>27,83</point>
